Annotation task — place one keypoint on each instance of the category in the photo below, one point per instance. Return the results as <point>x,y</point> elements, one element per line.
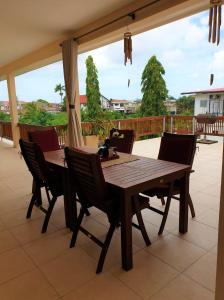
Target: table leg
<point>69,202</point>
<point>184,195</point>
<point>126,232</point>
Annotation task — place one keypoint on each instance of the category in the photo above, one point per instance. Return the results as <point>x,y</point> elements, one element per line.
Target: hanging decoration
<point>127,47</point>
<point>211,79</point>
<point>215,20</point>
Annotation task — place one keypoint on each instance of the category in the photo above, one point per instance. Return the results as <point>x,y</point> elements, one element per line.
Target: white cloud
<point>173,58</point>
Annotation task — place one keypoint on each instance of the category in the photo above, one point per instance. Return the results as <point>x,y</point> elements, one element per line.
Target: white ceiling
<point>27,25</point>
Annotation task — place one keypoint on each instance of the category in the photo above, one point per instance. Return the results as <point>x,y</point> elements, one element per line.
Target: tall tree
<point>92,89</point>
<point>153,88</point>
<point>59,88</point>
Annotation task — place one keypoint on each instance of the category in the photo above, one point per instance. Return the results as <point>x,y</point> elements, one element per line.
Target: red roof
<point>83,99</point>
<point>119,101</point>
<point>217,90</point>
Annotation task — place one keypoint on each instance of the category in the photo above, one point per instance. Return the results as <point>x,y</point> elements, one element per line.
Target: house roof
<point>119,101</point>
<point>83,99</point>
<point>208,91</point>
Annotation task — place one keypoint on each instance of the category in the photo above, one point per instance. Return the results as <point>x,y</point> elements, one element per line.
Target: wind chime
<point>127,50</point>
<point>215,21</point>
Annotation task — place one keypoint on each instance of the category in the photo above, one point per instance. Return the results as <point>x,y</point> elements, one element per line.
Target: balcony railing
<point>142,126</point>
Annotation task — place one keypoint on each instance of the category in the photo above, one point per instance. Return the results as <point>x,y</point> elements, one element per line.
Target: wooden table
<point>129,179</point>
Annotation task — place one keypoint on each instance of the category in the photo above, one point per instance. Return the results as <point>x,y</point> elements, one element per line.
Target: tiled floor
<point>41,266</point>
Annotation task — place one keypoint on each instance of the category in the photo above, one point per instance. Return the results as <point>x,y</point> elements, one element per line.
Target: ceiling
<point>31,31</point>
<point>27,25</point>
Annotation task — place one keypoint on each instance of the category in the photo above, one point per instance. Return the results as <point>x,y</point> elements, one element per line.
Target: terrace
<point>174,267</point>
<point>36,266</point>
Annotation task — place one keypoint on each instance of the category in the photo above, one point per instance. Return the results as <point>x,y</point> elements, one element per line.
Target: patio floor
<point>41,266</point>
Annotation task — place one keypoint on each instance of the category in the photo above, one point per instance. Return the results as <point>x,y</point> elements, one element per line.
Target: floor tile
<point>7,241</point>
<point>14,263</point>
<point>176,252</point>
<point>210,218</point>
<point>49,247</point>
<point>18,217</point>
<point>31,285</point>
<point>183,288</point>
<point>204,271</point>
<point>31,230</point>
<point>69,270</point>
<point>148,276</point>
<point>103,287</point>
<point>201,235</point>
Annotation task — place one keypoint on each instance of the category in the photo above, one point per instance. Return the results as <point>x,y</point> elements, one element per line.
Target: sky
<point>182,47</point>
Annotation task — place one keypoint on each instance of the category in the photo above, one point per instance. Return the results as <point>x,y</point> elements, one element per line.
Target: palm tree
<point>59,88</point>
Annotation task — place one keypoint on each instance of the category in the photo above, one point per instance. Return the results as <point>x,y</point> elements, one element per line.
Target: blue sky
<point>181,46</point>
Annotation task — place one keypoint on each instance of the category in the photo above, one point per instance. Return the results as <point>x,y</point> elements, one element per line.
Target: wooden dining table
<point>128,179</point>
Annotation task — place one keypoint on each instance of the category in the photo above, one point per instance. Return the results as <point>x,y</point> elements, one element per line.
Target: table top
<point>135,175</point>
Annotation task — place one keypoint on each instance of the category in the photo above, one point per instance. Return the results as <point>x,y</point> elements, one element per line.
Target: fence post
<point>119,125</point>
<point>193,124</point>
<point>164,124</point>
<point>171,124</point>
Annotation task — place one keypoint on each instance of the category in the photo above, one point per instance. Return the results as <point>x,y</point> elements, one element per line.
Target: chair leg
<point>48,214</point>
<point>87,213</point>
<point>76,229</point>
<point>142,228</point>
<point>167,207</point>
<point>141,224</point>
<point>163,200</point>
<point>191,205</point>
<point>30,208</point>
<point>105,249</point>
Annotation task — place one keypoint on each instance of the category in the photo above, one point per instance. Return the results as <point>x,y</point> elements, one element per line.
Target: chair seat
<point>163,190</point>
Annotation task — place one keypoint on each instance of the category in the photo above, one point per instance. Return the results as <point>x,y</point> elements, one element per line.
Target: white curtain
<point>69,55</point>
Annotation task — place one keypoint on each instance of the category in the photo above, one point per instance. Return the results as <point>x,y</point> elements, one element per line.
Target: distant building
<point>50,107</point>
<point>171,106</point>
<point>208,101</point>
<point>4,106</point>
<point>118,105</point>
<point>53,107</point>
<point>103,100</point>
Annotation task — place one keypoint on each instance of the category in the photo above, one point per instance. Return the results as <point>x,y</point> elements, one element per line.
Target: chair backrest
<point>179,148</point>
<point>122,139</point>
<point>87,176</point>
<point>35,161</point>
<point>46,139</point>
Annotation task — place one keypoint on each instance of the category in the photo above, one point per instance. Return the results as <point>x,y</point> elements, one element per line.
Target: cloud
<point>173,58</point>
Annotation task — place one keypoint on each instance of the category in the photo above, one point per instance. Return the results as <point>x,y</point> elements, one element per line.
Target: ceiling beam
<point>156,14</point>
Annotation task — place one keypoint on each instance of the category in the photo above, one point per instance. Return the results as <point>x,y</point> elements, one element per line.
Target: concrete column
<point>219,294</point>
<point>13,108</point>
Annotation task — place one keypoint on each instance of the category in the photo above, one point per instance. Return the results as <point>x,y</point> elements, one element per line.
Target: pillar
<point>219,295</point>
<point>13,108</point>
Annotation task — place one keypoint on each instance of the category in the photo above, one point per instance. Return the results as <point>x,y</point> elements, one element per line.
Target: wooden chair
<point>180,149</point>
<point>46,139</point>
<point>43,176</point>
<point>86,174</point>
<point>122,139</point>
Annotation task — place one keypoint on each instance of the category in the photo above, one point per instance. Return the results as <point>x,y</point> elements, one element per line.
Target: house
<point>103,100</point>
<point>4,106</point>
<point>171,106</point>
<point>53,107</point>
<point>118,105</point>
<point>208,101</point>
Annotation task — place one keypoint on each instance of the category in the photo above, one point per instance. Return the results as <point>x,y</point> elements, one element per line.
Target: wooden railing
<point>5,130</point>
<point>142,126</point>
